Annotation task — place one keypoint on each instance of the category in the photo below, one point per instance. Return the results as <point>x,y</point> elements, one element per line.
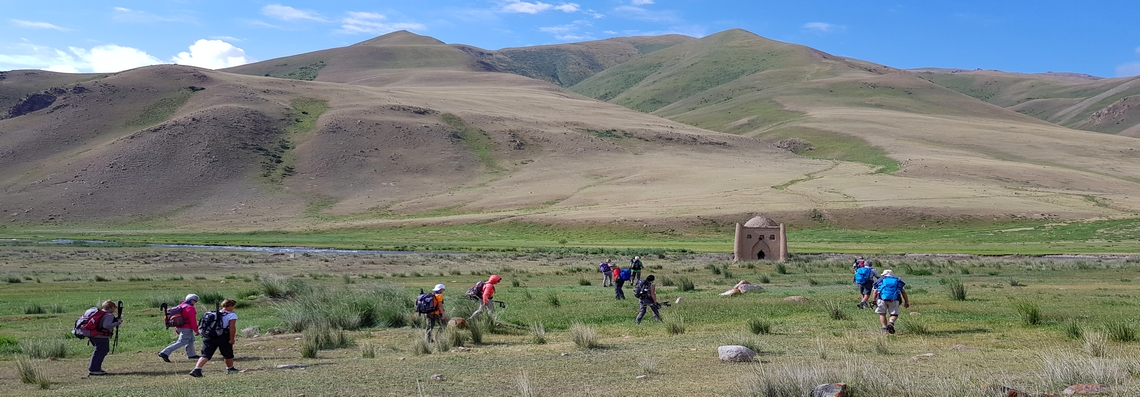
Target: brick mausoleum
<point>760,239</point>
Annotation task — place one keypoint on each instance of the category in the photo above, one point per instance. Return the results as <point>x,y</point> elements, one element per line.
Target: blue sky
<point>1100,38</point>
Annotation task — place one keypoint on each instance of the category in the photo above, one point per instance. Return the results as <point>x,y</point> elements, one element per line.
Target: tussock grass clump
<point>525,389</point>
<point>211,297</point>
<point>1062,369</point>
<point>346,308</point>
<point>475,328</point>
<point>956,289</point>
<point>914,326</point>
<point>421,346</point>
<point>553,300</point>
<point>455,338</point>
<point>584,336</point>
<point>44,348</point>
<point>1073,329</point>
<point>367,350</point>
<point>537,333</point>
<point>834,310</point>
<point>583,281</point>
<point>648,365</point>
<point>759,326</point>
<point>781,268</point>
<point>1029,313</point>
<point>322,338</point>
<point>35,309</point>
<point>675,325</point>
<point>1095,344</point>
<point>1119,331</point>
<point>31,373</point>
<point>862,380</point>
<point>685,284</point>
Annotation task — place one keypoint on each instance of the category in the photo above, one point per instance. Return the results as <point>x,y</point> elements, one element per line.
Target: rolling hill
<point>667,131</point>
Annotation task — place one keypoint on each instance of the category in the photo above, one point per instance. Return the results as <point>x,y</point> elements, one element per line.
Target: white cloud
<point>823,27</point>
<point>212,54</point>
<point>641,2</point>
<point>100,59</point>
<point>123,14</point>
<point>1128,69</point>
<point>286,13</point>
<point>373,23</point>
<point>37,25</point>
<point>522,7</point>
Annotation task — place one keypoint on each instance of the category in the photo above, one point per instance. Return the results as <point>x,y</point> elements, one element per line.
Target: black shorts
<point>221,344</point>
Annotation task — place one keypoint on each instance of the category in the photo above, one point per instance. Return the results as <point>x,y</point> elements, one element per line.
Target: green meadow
<point>1032,323</point>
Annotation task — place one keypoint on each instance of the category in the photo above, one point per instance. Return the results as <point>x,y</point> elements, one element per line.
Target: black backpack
<point>641,291</point>
<point>425,303</point>
<point>210,325</point>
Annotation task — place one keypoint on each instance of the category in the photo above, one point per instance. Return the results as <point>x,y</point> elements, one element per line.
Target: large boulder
<point>735,353</point>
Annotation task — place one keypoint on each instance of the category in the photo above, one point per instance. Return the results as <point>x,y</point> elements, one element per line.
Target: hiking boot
<point>232,370</point>
<point>96,373</point>
<point>165,357</point>
<point>885,330</point>
<point>891,328</point>
<point>197,373</point>
<point>862,305</point>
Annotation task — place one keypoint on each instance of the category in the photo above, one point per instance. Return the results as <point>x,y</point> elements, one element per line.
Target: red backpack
<point>174,316</point>
<point>476,291</point>
<point>90,324</point>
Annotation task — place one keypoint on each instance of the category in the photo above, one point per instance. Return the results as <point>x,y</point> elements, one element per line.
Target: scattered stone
<point>251,331</point>
<point>922,356</point>
<point>565,354</point>
<point>400,359</point>
<point>1085,388</point>
<point>735,353</point>
<point>642,376</point>
<point>796,299</point>
<point>276,330</point>
<point>463,349</point>
<point>830,390</point>
<point>963,348</point>
<point>678,300</point>
<point>915,313</point>
<point>291,366</point>
<point>437,377</point>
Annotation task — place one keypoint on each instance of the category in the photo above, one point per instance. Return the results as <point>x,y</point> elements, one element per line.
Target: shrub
<point>758,326</point>
<point>584,336</point>
<point>666,281</point>
<point>346,308</point>
<point>957,289</point>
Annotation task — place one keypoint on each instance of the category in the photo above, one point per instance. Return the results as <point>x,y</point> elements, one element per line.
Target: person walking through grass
<point>635,267</point>
<point>100,338</point>
<point>607,273</point>
<point>186,331</point>
<point>436,318</point>
<point>648,298</point>
<point>487,296</point>
<point>865,277</point>
<point>620,276</point>
<point>222,342</point>
<point>887,292</point>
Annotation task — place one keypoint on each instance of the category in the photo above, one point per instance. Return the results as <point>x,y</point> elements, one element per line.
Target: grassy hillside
<point>1087,103</point>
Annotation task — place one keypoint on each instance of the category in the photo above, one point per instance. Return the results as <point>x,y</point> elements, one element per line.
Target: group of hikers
<point>219,328</point>
<point>887,290</point>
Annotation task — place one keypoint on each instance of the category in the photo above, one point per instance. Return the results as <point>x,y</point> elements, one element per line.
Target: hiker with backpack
<point>98,324</point>
<point>860,262</point>
<point>646,293</point>
<point>431,306</point>
<point>485,294</point>
<point>635,267</point>
<point>887,292</point>
<point>620,277</point>
<point>184,320</point>
<point>218,329</point>
<point>865,277</point>
<point>607,273</point>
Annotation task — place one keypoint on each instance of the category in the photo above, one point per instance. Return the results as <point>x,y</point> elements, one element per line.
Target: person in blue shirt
<point>865,277</point>
<point>887,292</point>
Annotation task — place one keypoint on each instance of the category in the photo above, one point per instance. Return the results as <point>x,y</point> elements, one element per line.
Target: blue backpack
<point>623,275</point>
<point>889,288</point>
<point>863,274</point>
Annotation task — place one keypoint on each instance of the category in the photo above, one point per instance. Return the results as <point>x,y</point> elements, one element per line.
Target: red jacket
<point>191,315</point>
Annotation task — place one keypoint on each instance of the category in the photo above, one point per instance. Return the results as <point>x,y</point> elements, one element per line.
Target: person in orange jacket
<point>436,318</point>
<point>488,295</point>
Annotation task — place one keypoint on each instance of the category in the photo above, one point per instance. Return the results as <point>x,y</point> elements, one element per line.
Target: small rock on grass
<point>830,390</point>
<point>642,376</point>
<point>437,377</point>
<point>291,366</point>
<point>1085,388</point>
<point>922,356</point>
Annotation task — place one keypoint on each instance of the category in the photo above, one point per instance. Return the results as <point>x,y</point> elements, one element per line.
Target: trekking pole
<point>502,305</point>
<point>164,314</point>
<point>118,317</point>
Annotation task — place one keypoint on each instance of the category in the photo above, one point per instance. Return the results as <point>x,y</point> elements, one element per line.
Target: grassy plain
<point>1081,305</point>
